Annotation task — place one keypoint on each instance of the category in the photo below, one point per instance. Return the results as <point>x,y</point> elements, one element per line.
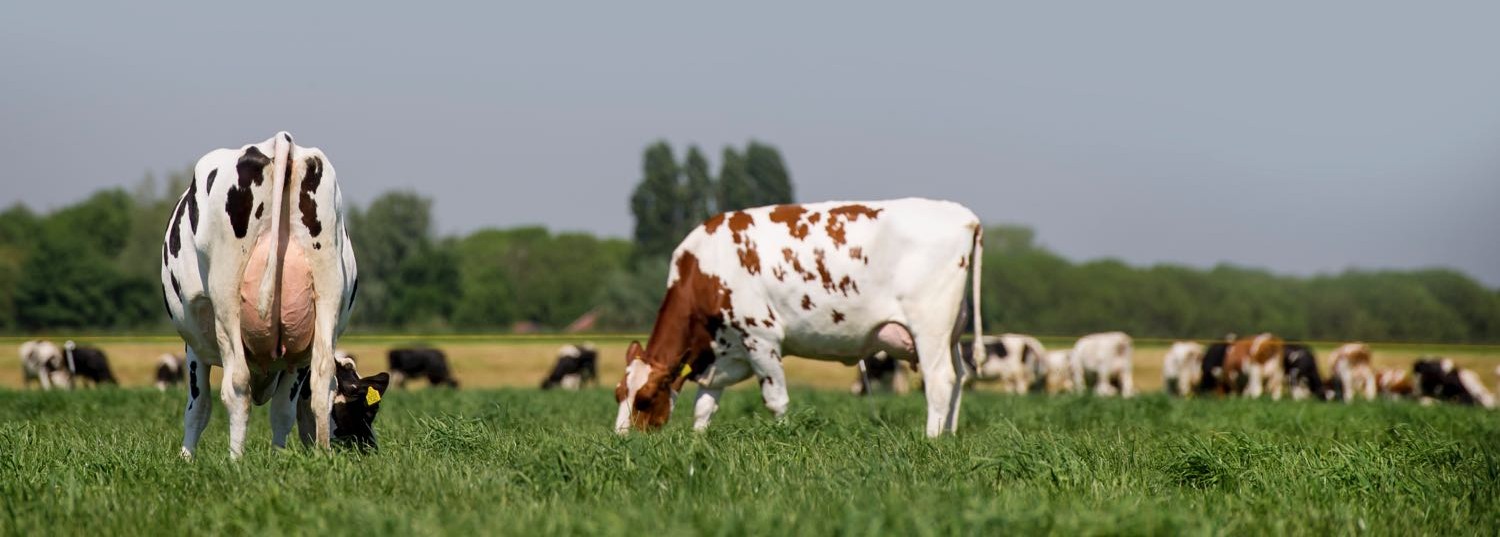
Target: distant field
<point>518,361</point>
<point>526,462</point>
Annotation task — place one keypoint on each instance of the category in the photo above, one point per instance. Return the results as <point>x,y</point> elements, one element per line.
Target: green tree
<point>698,195</point>
<point>736,188</point>
<point>657,203</point>
<point>768,173</point>
<point>395,227</point>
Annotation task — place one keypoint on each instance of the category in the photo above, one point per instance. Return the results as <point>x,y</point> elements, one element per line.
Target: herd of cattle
<point>259,277</point>
<point>1248,367</point>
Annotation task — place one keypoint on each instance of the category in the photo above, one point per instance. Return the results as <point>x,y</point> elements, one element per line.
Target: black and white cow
<point>1301,368</point>
<point>1442,380</point>
<point>169,371</point>
<point>88,363</point>
<point>406,364</point>
<point>1212,367</point>
<point>42,361</point>
<point>577,365</point>
<point>259,278</point>
<point>881,372</point>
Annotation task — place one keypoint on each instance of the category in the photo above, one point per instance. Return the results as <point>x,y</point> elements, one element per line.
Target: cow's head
<point>646,393</point>
<point>355,404</point>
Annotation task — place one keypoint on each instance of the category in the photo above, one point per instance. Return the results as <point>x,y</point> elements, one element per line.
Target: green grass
<point>528,462</point>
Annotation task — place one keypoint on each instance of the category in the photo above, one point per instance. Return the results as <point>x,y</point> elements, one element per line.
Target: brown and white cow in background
<point>1182,368</point>
<point>833,281</point>
<point>1058,373</point>
<point>1103,362</point>
<point>1257,362</point>
<point>259,278</point>
<point>42,361</point>
<point>1353,373</point>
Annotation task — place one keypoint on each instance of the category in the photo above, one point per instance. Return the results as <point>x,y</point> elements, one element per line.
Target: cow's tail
<point>281,164</point>
<point>976,257</point>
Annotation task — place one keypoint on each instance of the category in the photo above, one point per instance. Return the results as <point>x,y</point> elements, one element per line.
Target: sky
<point>1303,137</point>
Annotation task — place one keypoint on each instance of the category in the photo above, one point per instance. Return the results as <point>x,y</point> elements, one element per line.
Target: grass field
<point>522,461</point>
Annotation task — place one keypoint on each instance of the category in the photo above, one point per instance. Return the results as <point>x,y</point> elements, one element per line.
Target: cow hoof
<point>186,455</point>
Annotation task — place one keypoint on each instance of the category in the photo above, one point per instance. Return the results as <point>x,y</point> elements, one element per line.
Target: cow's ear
<point>379,381</point>
<point>633,352</point>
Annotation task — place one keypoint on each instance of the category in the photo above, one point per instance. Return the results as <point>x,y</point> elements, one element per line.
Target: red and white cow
<point>1182,368</point>
<point>1258,360</point>
<point>259,277</point>
<point>1353,372</point>
<point>1103,362</point>
<point>833,281</point>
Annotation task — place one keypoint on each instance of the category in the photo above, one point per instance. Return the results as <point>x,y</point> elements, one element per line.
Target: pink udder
<point>896,340</point>
<point>294,332</point>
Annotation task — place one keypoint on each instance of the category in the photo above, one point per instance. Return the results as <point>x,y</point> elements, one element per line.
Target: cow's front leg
<point>1254,387</point>
<point>724,373</point>
<point>283,407</point>
<point>1275,378</point>
<point>1367,376</point>
<point>199,406</point>
<point>1127,381</point>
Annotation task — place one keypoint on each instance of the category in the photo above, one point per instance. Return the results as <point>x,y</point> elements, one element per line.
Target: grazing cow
<point>43,362</point>
<point>1253,365</point>
<point>168,371</point>
<point>1211,375</point>
<point>1010,360</point>
<point>577,365</point>
<point>1182,368</point>
<point>88,363</point>
<point>1352,373</point>
<point>1102,362</point>
<point>259,278</point>
<point>834,281</point>
<point>1301,367</point>
<point>406,364</point>
<point>1442,380</point>
<point>880,372</point>
<point>1395,383</point>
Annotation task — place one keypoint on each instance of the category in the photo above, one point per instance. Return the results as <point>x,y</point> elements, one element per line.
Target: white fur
<point>1107,356</point>
<point>43,361</point>
<point>1182,368</point>
<point>1356,378</point>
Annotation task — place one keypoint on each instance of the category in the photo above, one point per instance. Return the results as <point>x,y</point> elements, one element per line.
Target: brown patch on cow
<point>814,218</point>
<point>847,284</point>
<point>791,217</point>
<point>752,321</point>
<point>739,221</point>
<point>779,273</point>
<point>1242,352</point>
<point>838,317</point>
<point>823,273</point>
<point>963,262</point>
<point>750,258</point>
<point>807,303</point>
<point>856,253</point>
<point>791,257</point>
<point>694,310</point>
<point>712,224</point>
<point>837,216</point>
<point>770,314</point>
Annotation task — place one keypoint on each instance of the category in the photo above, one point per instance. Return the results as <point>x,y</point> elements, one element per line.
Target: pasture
<point>509,459</point>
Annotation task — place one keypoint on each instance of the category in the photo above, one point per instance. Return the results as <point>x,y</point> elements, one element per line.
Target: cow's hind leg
<point>199,406</point>
<point>941,382</point>
<point>283,407</point>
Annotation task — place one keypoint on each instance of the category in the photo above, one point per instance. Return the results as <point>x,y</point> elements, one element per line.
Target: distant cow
<point>88,363</point>
<point>1010,360</point>
<point>1182,367</point>
<point>881,372</point>
<point>1102,362</point>
<point>577,366</point>
<point>1396,383</point>
<point>1301,367</point>
<point>1253,365</point>
<point>168,371</point>
<point>1057,375</point>
<point>1440,379</point>
<point>42,361</point>
<point>1211,374</point>
<point>1352,373</point>
<point>431,363</point>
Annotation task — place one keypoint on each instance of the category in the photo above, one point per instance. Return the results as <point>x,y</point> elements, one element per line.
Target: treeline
<point>94,266</point>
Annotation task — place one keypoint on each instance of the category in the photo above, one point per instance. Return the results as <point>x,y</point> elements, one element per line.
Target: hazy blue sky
<point>1299,136</point>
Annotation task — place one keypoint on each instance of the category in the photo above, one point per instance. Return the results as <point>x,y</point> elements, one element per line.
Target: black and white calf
<point>259,278</point>
<point>430,363</point>
<point>1212,368</point>
<point>576,366</point>
<point>168,371</point>
<point>881,372</point>
<point>88,363</point>
<point>42,361</point>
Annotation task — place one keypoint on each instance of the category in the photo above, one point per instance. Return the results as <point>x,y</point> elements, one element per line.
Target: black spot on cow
<point>240,199</point>
<point>307,204</point>
<point>353,290</point>
<point>209,188</point>
<point>192,205</point>
<point>192,382</point>
<point>167,303</point>
<point>176,287</point>
<point>317,246</point>
<point>260,210</point>
<point>287,136</point>
<point>174,235</point>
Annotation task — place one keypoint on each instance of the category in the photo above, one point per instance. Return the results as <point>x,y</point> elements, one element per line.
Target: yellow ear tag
<point>686,368</point>
<point>371,396</point>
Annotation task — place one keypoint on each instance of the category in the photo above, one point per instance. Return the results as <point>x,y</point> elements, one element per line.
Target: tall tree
<point>657,202</point>
<point>736,187</point>
<point>396,226</point>
<point>773,183</point>
<point>698,195</point>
